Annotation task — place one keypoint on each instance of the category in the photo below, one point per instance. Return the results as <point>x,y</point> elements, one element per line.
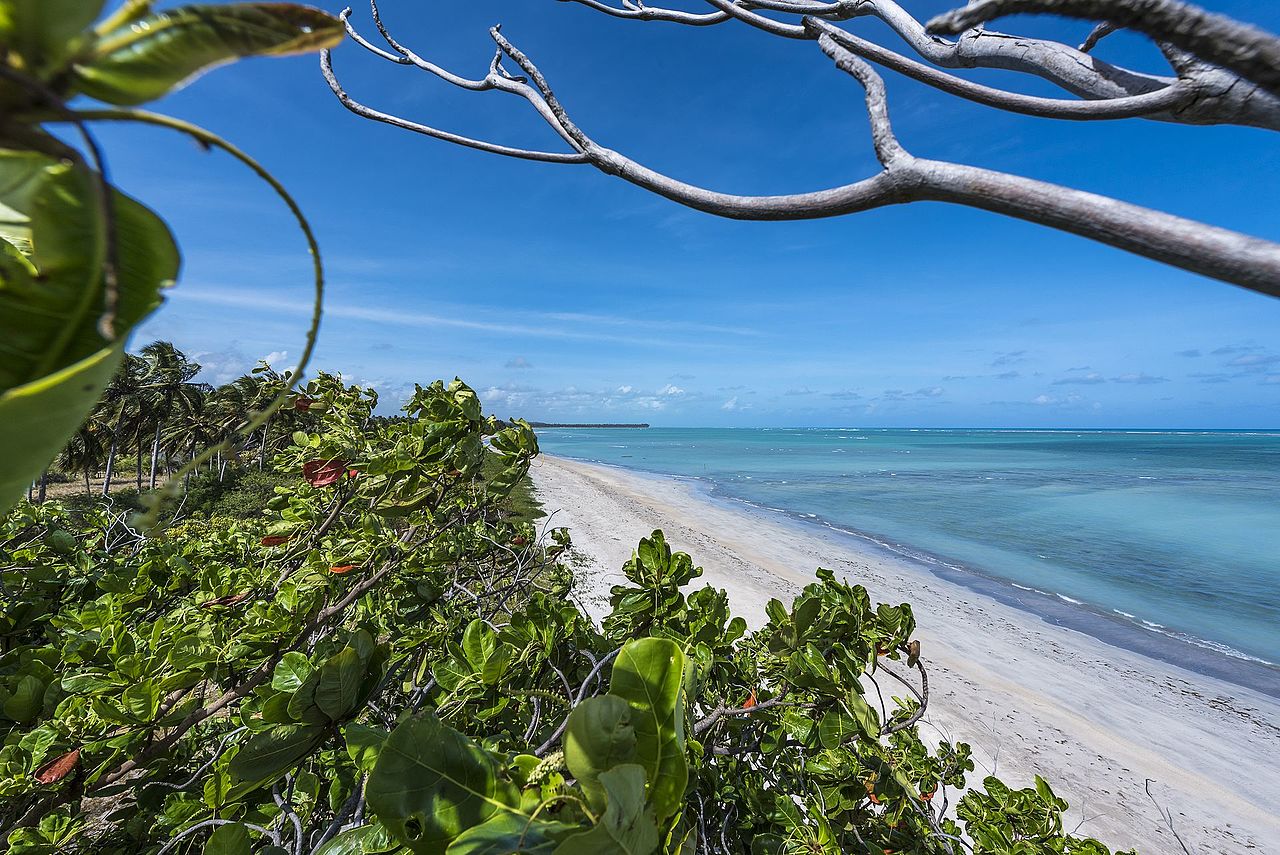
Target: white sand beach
<point>1096,721</point>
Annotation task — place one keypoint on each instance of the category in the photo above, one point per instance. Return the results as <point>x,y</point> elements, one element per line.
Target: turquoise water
<point>1167,542</point>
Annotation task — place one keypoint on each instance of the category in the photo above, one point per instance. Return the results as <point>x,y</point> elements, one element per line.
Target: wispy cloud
<point>1091,379</point>
<point>1140,378</point>
<point>519,363</point>
<point>555,326</point>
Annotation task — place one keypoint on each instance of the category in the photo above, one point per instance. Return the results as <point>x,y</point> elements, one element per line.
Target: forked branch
<point>1232,257</point>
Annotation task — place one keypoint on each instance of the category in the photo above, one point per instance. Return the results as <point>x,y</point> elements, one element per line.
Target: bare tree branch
<point>1219,253</point>
<point>1248,51</point>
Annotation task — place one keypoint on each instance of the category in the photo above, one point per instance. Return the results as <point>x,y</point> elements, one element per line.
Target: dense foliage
<point>81,263</point>
<point>385,660</point>
<point>154,417</point>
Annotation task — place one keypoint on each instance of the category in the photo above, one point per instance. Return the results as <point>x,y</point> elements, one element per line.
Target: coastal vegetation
<point>387,657</point>
<point>316,630</point>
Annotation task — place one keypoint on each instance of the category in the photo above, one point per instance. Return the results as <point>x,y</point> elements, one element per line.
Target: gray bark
<point>111,466</point>
<point>1199,93</point>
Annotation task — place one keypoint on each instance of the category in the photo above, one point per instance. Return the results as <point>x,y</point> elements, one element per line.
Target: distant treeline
<point>554,425</point>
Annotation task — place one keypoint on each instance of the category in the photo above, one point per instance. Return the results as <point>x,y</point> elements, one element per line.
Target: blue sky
<point>564,294</point>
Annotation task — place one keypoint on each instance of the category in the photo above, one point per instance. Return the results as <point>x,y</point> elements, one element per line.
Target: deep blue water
<point>1175,534</point>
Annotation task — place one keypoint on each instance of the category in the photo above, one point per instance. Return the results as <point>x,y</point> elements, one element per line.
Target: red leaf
<point>519,541</point>
<point>342,569</point>
<point>751,701</point>
<point>323,473</point>
<point>276,539</point>
<point>353,473</point>
<point>57,769</point>
<point>303,404</point>
<point>228,600</point>
<point>925,797</point>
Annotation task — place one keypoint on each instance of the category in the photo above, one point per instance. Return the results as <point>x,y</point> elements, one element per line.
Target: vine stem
<point>208,138</point>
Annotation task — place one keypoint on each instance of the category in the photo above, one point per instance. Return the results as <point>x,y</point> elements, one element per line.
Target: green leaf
<point>648,675</point>
<point>508,833</point>
<point>291,672</point>
<point>24,705</point>
<point>339,684</point>
<point>357,841</point>
<point>273,752</point>
<point>142,700</point>
<point>54,364</point>
<point>626,826</point>
<point>153,56</point>
<point>431,783</point>
<point>44,32</point>
<point>598,737</point>
<point>230,839</point>
<point>862,711</point>
<point>364,743</point>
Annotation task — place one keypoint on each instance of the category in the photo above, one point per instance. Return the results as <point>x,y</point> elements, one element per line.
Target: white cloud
<point>670,390</point>
<point>730,405</point>
<point>276,358</point>
<point>625,390</point>
<point>1141,378</point>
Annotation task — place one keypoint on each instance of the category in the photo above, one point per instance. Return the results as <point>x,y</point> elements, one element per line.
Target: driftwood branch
<point>1245,50</point>
<point>1107,93</point>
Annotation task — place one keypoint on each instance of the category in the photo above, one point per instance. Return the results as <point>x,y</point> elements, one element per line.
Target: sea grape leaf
<point>291,672</point>
<point>44,32</point>
<point>339,683</point>
<point>598,737</point>
<point>364,743</point>
<point>649,675</point>
<point>165,50</point>
<point>357,841</point>
<point>507,833</point>
<point>431,783</point>
<point>231,839</point>
<point>627,826</point>
<point>54,364</point>
<point>273,752</point>
<point>865,715</point>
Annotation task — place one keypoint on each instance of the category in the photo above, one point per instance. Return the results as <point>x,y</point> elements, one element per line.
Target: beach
<point>1102,724</point>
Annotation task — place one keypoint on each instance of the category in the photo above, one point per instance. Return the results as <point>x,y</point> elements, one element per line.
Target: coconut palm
<point>167,390</point>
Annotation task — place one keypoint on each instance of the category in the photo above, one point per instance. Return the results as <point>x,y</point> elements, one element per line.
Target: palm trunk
<point>111,465</point>
<point>44,487</point>
<point>139,463</point>
<point>155,455</point>
<point>88,488</point>
<point>262,449</point>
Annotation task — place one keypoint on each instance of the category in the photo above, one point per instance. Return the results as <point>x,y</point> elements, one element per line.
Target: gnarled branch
<point>1247,261</point>
<point>1248,51</point>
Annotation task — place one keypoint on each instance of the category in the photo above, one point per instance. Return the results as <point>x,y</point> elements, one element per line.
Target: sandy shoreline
<point>1030,697</point>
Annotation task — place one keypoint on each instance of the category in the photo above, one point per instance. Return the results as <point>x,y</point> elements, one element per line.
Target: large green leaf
<point>627,827</point>
<point>357,841</point>
<point>43,32</point>
<point>150,57</point>
<point>54,364</point>
<point>231,839</point>
<point>291,672</point>
<point>431,783</point>
<point>273,752</point>
<point>598,737</point>
<point>508,833</point>
<point>649,675</point>
<point>339,683</point>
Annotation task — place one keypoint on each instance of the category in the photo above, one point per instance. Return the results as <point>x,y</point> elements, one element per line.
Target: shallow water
<point>1176,533</point>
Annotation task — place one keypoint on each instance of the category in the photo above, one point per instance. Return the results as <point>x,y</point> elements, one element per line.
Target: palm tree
<point>167,390</point>
<point>192,424</point>
<point>120,412</point>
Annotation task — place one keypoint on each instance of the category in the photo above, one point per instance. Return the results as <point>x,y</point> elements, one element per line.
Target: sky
<point>563,294</point>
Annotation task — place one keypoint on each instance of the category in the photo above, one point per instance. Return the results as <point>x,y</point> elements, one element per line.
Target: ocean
<point>1164,542</point>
